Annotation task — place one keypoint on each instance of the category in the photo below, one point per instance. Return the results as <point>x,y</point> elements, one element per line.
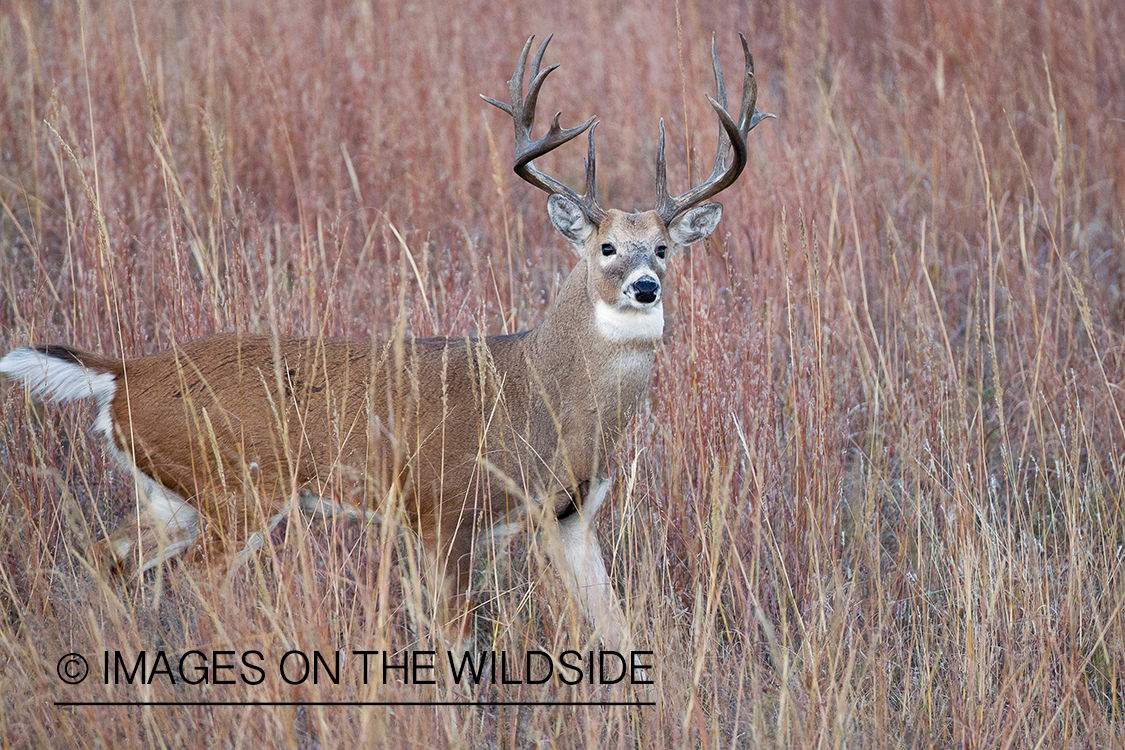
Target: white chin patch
<point>630,324</point>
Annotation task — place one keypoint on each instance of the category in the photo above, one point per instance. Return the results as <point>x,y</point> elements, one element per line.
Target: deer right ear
<point>569,218</point>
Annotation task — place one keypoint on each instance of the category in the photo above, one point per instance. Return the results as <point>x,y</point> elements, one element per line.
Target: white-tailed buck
<point>472,438</point>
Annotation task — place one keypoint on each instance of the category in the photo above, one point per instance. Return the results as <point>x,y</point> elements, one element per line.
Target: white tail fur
<point>53,378</point>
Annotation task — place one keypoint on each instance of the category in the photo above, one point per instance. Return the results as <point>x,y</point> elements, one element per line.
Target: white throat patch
<point>628,325</point>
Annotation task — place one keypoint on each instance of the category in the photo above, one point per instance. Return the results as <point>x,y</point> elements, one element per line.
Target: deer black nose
<point>645,289</point>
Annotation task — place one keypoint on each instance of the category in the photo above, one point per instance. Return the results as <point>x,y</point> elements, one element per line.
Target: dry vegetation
<point>876,496</point>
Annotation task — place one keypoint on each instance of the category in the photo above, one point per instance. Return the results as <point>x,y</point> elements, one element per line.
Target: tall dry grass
<point>876,496</point>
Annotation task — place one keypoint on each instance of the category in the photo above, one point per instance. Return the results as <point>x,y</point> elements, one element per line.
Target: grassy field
<point>876,497</point>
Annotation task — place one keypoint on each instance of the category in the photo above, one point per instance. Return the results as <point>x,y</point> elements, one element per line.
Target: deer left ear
<point>695,224</point>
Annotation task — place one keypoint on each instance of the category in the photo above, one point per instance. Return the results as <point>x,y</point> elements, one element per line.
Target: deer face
<point>626,255</point>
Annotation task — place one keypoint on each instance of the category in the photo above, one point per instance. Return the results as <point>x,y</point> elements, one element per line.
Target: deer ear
<point>569,219</point>
<point>695,224</point>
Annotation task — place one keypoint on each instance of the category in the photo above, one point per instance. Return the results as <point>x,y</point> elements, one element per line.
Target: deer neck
<point>582,353</point>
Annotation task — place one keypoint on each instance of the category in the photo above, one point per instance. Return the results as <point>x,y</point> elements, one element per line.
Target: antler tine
<point>721,92</point>
<point>732,135</point>
<point>720,86</point>
<point>664,207</point>
<point>515,83</point>
<point>750,94</point>
<point>591,168</point>
<point>522,111</point>
<point>749,87</point>
<point>723,139</point>
<point>538,59</point>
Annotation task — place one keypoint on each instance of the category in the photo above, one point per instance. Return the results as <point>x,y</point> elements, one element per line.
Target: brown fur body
<point>466,430</point>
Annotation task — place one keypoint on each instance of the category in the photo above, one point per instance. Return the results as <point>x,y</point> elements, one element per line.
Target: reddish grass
<point>876,498</point>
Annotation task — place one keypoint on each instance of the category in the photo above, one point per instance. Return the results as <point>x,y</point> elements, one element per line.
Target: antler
<point>523,114</point>
<point>723,175</point>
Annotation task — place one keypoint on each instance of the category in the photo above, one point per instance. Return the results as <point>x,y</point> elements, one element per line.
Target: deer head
<point>627,252</point>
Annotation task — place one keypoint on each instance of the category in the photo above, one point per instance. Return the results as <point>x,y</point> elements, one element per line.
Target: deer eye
<point>660,250</point>
<point>608,250</point>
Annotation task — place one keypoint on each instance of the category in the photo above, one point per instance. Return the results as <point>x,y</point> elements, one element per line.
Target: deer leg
<point>254,541</point>
<point>459,601</point>
<point>164,526</point>
<point>448,571</point>
<point>238,520</point>
<point>573,548</point>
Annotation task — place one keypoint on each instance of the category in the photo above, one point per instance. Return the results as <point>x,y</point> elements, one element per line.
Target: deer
<point>476,438</point>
